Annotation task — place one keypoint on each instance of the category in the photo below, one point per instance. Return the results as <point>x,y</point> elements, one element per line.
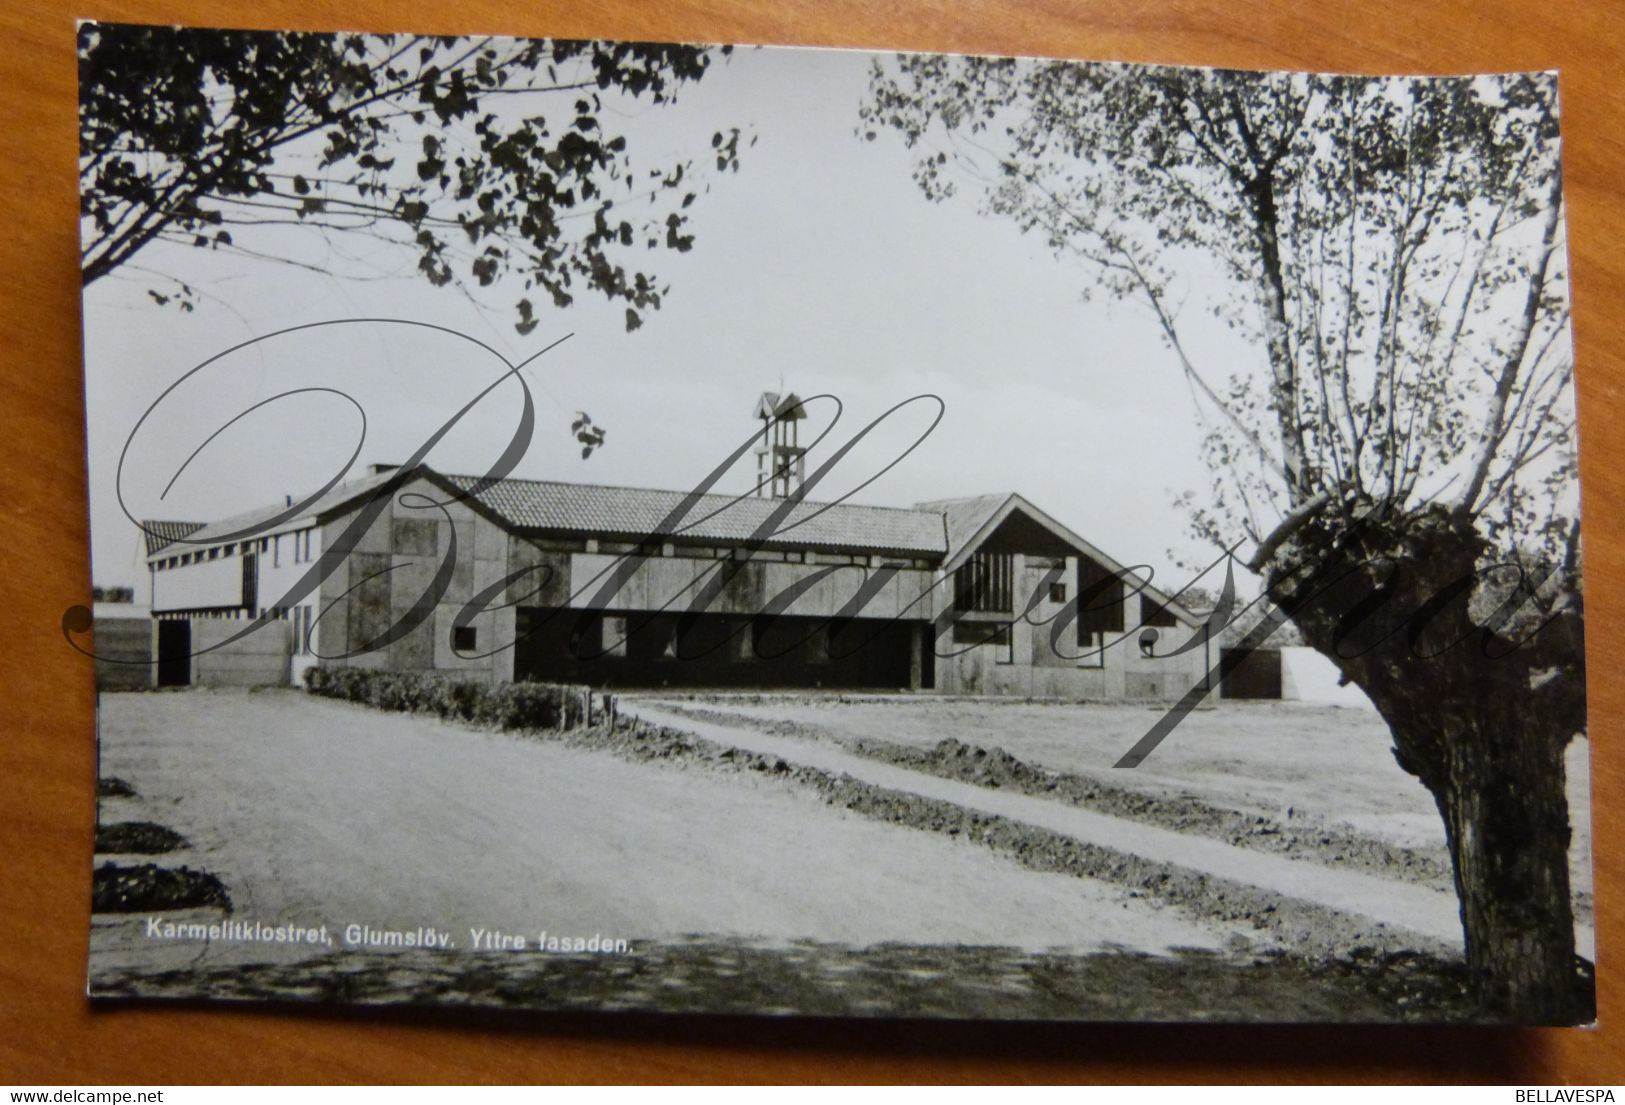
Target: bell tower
<point>780,459</point>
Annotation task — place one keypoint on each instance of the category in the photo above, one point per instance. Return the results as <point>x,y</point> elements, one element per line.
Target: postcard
<point>588,525</point>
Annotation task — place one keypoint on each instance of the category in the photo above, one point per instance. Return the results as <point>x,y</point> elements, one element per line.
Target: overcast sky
<point>818,267</point>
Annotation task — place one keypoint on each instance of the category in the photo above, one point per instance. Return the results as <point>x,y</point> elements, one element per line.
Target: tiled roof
<point>162,534</point>
<point>254,519</point>
<point>964,518</point>
<point>639,512</point>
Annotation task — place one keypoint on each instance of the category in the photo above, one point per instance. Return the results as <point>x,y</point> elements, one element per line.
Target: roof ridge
<point>741,497</point>
<point>931,504</point>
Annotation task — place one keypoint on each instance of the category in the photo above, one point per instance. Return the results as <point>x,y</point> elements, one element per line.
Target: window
<point>464,638</point>
<point>1153,613</point>
<point>1100,600</point>
<point>984,582</point>
<point>982,633</point>
<point>251,581</point>
<point>300,620</point>
<point>994,634</point>
<point>1057,592</point>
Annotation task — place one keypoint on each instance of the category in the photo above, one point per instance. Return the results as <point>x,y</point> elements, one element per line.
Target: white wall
<point>1307,676</point>
<point>212,583</point>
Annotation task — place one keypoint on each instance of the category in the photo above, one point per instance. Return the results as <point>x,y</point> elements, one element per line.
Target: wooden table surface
<point>48,1032</point>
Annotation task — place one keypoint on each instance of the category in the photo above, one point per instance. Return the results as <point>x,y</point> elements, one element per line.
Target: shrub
<point>504,705</point>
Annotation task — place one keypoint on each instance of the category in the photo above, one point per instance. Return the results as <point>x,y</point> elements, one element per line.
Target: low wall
<point>258,660</point>
<point>124,653</point>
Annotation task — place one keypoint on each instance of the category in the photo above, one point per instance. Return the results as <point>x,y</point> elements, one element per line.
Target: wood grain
<point>49,1033</point>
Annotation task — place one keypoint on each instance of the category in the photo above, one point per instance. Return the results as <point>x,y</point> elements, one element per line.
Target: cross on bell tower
<point>780,459</point>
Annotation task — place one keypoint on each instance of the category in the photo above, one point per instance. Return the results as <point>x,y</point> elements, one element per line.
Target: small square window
<point>1057,592</point>
<point>464,638</point>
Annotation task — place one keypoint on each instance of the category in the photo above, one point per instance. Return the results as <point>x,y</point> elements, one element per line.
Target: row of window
<point>786,556</point>
<point>299,552</point>
<point>985,583</point>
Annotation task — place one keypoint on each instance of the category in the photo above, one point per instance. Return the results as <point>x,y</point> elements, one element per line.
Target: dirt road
<point>316,812</point>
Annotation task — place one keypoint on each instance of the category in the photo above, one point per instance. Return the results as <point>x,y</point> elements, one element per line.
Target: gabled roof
<point>337,496</point>
<point>773,405</point>
<point>635,512</point>
<point>162,534</point>
<point>971,521</point>
<point>964,519</point>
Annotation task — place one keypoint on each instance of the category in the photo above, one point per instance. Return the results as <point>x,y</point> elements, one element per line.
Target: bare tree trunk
<point>1481,721</point>
<point>1506,819</point>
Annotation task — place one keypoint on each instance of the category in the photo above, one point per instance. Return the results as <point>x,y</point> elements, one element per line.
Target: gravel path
<point>1422,910</point>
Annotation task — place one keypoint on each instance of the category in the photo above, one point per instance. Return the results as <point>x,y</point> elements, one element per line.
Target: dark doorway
<point>928,659</point>
<point>175,653</point>
<point>1254,674</point>
<point>646,650</point>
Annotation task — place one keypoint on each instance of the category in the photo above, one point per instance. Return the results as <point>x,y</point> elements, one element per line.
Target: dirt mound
<point>1300,839</point>
<point>137,889</point>
<point>142,838</point>
<point>1297,837</point>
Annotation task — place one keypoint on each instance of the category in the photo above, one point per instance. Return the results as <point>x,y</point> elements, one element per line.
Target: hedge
<point>505,705</point>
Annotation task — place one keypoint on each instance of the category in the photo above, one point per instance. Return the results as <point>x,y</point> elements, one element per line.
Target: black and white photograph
<point>628,526</point>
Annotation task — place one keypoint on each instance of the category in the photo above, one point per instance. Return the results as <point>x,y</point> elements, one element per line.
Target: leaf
<point>527,321</point>
<point>217,98</point>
